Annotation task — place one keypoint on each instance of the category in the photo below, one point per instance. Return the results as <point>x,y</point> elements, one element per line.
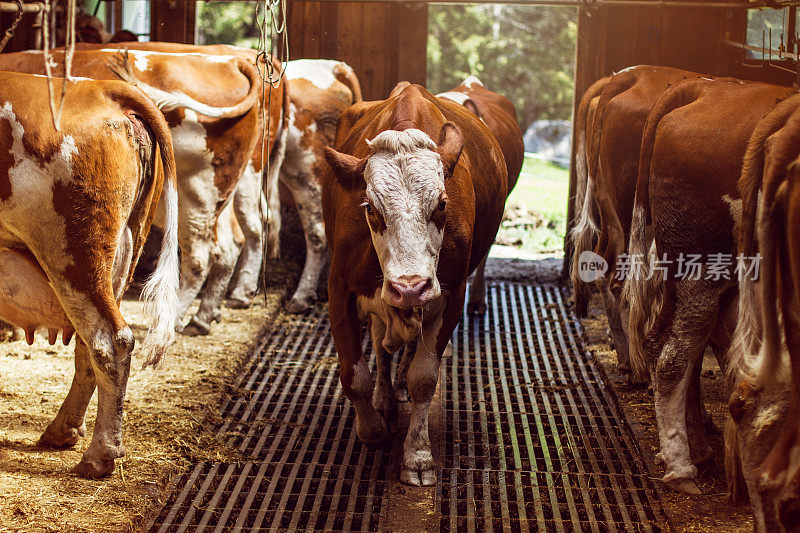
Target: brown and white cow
<point>692,150</point>
<point>248,203</point>
<point>763,440</point>
<point>608,151</point>
<point>321,91</point>
<point>499,115</point>
<point>212,104</point>
<point>75,209</point>
<point>412,204</point>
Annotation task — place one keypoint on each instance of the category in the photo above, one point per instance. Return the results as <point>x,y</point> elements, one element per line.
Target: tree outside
<point>525,53</point>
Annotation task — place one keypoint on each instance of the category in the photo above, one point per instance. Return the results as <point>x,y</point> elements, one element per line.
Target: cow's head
<point>405,204</point>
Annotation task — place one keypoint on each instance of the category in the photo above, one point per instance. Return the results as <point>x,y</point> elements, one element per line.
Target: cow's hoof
<point>476,308</point>
<point>297,305</point>
<point>217,316</point>
<point>372,435</point>
<point>683,485</point>
<point>58,436</point>
<point>196,328</point>
<point>92,468</point>
<point>237,303</point>
<point>421,473</point>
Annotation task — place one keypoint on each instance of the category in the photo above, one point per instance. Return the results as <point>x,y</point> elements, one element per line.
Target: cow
<point>691,157</point>
<point>500,117</point>
<point>607,158</point>
<point>762,436</point>
<point>265,163</point>
<point>321,91</point>
<point>75,209</point>
<point>412,202</point>
<point>212,104</point>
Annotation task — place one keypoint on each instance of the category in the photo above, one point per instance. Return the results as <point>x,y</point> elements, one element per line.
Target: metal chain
<point>268,76</point>
<point>10,31</point>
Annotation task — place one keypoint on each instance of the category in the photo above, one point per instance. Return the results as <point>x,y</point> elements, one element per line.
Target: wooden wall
<point>172,21</point>
<point>383,42</point>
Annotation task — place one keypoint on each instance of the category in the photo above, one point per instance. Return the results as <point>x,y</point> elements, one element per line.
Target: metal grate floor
<point>532,438</point>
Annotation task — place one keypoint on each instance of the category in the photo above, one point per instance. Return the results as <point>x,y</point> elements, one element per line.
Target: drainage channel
<point>531,439</point>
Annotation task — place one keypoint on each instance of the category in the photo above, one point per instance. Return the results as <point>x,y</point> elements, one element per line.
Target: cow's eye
<point>367,206</point>
<point>442,204</point>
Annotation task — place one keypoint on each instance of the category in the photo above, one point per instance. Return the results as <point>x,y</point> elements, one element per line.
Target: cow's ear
<point>399,88</point>
<point>451,141</point>
<point>348,169</point>
<point>469,103</point>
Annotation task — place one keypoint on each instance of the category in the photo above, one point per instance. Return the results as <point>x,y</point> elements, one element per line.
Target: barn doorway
<point>499,44</point>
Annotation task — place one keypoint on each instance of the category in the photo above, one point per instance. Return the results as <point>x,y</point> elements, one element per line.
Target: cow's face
<point>405,206</point>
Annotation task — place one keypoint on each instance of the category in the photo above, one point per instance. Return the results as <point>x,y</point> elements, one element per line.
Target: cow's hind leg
<point>618,336</point>
<point>218,278</point>
<point>246,205</point>
<point>383,396</point>
<point>401,382</point>
<point>307,195</point>
<point>477,292</point>
<point>681,331</point>
<point>69,425</point>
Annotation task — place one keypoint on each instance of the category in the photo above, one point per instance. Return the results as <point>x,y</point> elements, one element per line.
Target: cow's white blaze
<point>405,186</point>
<point>317,71</point>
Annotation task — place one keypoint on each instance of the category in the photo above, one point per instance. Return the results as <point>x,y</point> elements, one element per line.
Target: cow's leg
<point>682,330</point>
<point>307,195</point>
<point>273,212</point>
<point>401,382</point>
<point>69,424</point>
<point>218,278</point>
<point>196,215</point>
<point>354,373</point>
<point>246,204</point>
<point>477,292</point>
<point>618,336</point>
<point>418,466</point>
<point>697,419</point>
<point>383,396</point>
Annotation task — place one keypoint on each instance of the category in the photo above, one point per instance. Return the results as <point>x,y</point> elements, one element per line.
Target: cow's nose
<point>409,291</point>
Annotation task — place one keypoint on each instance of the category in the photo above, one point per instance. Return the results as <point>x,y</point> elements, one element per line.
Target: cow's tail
<point>585,231</point>
<point>160,292</point>
<point>120,65</point>
<point>345,74</point>
<point>643,290</point>
<point>747,336</point>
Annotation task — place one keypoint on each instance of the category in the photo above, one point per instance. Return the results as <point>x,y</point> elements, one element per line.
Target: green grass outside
<point>537,208</point>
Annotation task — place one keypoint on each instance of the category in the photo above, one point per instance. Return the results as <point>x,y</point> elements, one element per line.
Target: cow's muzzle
<point>409,291</point>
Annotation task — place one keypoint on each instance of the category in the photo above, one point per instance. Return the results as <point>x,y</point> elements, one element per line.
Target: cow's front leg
<point>69,425</point>
<point>383,397</point>
<point>419,467</point>
<point>354,374</point>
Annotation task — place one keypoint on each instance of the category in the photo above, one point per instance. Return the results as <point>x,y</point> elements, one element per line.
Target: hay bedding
<point>165,412</point>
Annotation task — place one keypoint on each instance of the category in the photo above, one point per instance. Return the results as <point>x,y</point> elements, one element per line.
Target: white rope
<point>69,51</point>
